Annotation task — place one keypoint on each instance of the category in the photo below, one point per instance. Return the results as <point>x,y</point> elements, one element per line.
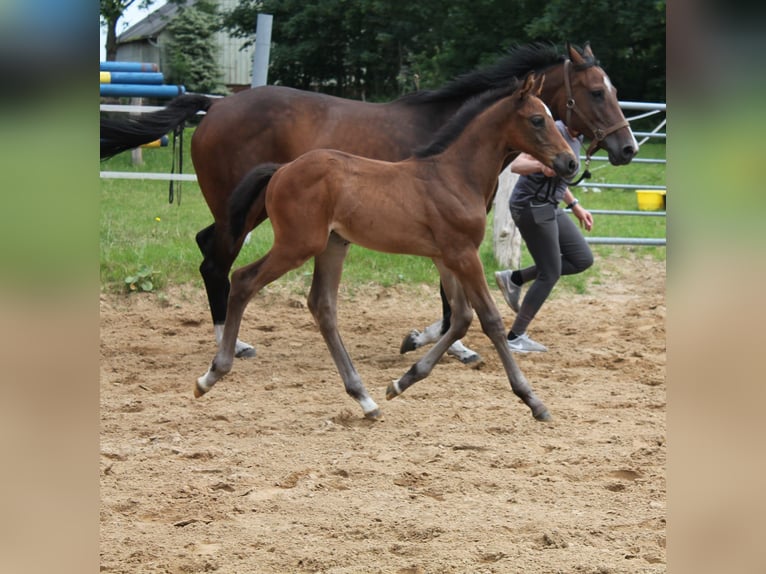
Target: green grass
<point>140,230</point>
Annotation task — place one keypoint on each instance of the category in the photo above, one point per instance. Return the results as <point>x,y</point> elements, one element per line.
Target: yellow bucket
<point>650,199</point>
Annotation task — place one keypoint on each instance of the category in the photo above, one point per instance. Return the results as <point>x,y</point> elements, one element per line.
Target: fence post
<point>136,156</point>
<point>506,238</point>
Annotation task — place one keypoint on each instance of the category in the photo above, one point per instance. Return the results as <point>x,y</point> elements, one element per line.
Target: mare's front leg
<point>461,320</point>
<point>416,339</point>
<point>322,302</point>
<point>215,267</point>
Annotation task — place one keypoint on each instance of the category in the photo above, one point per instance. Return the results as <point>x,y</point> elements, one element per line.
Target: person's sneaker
<point>523,344</point>
<point>511,292</point>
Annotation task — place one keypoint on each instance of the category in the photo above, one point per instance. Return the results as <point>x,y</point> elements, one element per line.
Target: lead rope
<point>178,136</point>
<point>585,174</point>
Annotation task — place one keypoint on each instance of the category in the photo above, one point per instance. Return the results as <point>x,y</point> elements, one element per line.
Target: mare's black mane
<point>519,61</point>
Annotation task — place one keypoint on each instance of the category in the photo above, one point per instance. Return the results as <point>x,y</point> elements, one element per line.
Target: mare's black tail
<point>119,135</point>
<point>245,194</point>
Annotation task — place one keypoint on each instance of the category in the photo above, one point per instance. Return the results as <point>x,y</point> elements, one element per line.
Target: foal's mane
<point>517,63</point>
<point>449,132</point>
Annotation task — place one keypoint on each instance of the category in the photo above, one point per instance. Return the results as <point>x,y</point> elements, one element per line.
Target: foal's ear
<point>539,85</point>
<point>574,55</point>
<point>587,52</point>
<point>529,84</point>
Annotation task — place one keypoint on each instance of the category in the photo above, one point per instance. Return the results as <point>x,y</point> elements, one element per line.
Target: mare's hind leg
<point>245,283</point>
<point>322,302</point>
<point>214,269</point>
<point>461,320</point>
<point>416,339</point>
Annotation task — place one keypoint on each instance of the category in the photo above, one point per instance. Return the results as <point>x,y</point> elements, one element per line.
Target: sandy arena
<point>276,471</point>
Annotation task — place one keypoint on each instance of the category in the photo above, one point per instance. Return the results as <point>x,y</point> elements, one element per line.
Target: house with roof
<point>146,41</point>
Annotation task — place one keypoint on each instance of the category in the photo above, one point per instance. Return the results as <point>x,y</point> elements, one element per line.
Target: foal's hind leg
<point>416,339</point>
<point>322,302</point>
<point>246,282</point>
<point>214,269</point>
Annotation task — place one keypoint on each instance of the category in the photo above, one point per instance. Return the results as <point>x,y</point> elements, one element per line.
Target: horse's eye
<point>538,121</point>
<point>597,94</point>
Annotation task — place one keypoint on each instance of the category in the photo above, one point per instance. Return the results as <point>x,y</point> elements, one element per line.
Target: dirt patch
<point>275,470</point>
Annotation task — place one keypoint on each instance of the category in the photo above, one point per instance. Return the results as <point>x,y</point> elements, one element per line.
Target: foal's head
<point>533,131</point>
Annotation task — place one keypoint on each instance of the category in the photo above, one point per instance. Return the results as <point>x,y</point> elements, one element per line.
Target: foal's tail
<point>245,194</point>
<point>119,135</point>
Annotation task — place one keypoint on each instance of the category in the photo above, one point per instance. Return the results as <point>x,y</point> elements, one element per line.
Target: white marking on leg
<point>396,387</point>
<point>238,347</point>
<point>430,334</point>
<point>459,350</point>
<point>204,381</point>
<point>368,405</point>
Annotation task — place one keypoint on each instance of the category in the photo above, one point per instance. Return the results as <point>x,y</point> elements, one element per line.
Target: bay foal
<point>433,204</point>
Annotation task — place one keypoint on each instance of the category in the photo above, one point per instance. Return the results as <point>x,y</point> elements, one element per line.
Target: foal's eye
<point>597,94</point>
<point>538,121</point>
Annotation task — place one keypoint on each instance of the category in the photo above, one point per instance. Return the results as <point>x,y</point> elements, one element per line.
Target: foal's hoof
<point>543,416</point>
<point>246,353</point>
<point>391,392</point>
<point>376,415</point>
<point>199,391</point>
<point>409,344</point>
<point>474,361</point>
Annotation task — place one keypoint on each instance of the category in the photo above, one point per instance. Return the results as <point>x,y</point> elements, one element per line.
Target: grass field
<point>143,236</point>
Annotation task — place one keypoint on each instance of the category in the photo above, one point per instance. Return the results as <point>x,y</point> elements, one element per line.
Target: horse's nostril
<point>572,165</point>
<point>627,151</point>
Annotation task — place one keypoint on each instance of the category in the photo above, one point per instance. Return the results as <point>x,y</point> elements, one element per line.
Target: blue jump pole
<point>154,78</point>
<point>110,66</point>
<point>141,91</point>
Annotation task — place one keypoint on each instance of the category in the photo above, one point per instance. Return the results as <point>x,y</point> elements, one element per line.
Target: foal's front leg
<point>477,291</point>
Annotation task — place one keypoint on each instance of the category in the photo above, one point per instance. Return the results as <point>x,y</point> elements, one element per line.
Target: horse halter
<point>598,133</point>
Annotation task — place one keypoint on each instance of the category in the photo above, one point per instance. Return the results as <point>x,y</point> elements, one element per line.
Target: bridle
<point>598,133</point>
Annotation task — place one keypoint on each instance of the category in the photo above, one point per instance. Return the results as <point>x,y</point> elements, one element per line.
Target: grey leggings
<point>557,247</point>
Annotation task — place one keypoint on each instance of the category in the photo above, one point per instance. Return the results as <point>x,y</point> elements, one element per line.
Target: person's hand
<point>584,216</point>
<point>547,171</point>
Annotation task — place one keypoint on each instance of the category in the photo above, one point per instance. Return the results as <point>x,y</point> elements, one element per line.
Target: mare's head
<point>533,130</point>
<point>592,107</point>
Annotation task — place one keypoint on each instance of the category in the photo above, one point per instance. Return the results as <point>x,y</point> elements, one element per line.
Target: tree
<point>111,12</point>
<point>192,48</point>
<point>628,37</point>
<point>377,49</point>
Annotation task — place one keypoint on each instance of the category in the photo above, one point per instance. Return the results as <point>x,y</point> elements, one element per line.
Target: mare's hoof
<point>408,344</point>
<point>376,415</point>
<point>474,361</point>
<point>199,391</point>
<point>246,353</point>
<point>543,416</point>
<point>391,392</point>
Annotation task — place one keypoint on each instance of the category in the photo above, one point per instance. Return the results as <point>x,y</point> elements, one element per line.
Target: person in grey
<point>552,238</point>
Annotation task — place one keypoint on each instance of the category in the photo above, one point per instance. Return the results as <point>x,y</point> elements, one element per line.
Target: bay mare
<point>272,124</point>
<point>433,204</point>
